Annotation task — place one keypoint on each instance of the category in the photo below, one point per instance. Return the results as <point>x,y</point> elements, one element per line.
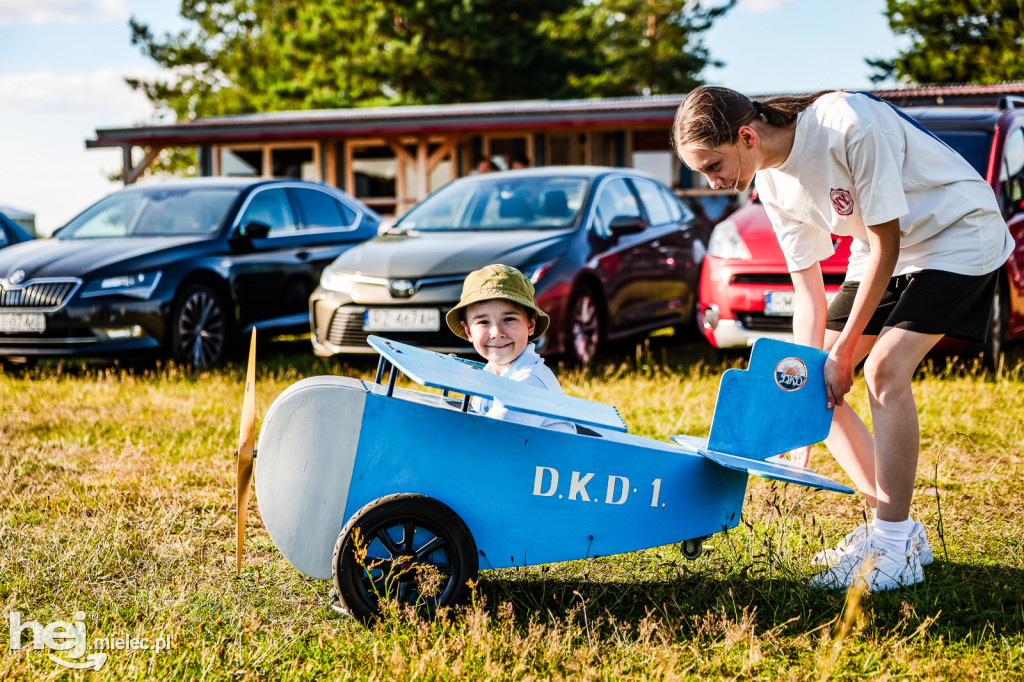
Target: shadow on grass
<point>964,600</point>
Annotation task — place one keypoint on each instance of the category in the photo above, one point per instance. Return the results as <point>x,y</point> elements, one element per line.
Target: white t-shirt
<point>856,161</point>
<point>530,369</point>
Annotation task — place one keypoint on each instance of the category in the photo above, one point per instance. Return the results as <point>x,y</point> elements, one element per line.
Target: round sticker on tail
<point>790,374</point>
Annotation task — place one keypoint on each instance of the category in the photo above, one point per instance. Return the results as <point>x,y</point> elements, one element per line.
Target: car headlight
<point>137,285</point>
<point>336,280</point>
<point>535,273</point>
<point>726,242</point>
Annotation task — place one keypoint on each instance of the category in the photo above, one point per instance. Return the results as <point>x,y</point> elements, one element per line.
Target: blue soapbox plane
<point>375,485</point>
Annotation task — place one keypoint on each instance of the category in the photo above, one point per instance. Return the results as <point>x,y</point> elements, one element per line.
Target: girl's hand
<point>838,378</point>
<point>800,456</point>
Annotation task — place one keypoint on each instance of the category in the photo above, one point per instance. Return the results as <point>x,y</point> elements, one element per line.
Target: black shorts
<point>927,302</point>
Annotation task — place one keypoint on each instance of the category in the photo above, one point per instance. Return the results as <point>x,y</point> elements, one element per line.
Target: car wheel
<point>408,548</point>
<point>992,349</point>
<point>583,336</point>
<point>199,328</point>
<point>17,364</point>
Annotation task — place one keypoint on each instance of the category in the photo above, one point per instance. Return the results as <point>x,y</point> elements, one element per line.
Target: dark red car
<point>746,291</point>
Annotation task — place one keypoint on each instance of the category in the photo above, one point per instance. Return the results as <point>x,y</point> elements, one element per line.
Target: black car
<point>12,233</point>
<point>180,268</point>
<point>611,251</point>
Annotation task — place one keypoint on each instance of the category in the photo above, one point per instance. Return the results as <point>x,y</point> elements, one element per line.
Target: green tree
<point>642,47</point>
<point>242,56</point>
<point>955,41</point>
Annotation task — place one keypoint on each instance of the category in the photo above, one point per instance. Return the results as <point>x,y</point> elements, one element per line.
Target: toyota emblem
<point>402,288</point>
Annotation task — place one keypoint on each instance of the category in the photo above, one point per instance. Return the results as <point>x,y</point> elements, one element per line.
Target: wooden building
<point>390,157</point>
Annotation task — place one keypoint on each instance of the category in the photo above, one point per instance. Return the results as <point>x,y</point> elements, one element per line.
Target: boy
<point>498,315</point>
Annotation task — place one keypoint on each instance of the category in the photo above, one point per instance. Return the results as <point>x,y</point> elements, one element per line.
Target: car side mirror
<point>253,230</point>
<point>628,224</point>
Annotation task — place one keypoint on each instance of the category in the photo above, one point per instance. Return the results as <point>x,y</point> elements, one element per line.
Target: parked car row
<point>186,268</point>
<point>746,291</point>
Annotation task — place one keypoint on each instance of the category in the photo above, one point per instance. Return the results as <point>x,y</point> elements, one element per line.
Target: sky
<point>63,65</point>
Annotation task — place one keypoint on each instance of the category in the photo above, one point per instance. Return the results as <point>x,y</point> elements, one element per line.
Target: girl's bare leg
<point>849,440</point>
<point>889,372</point>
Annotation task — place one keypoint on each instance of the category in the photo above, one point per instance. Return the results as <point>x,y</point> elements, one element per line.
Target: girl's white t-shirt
<point>856,161</point>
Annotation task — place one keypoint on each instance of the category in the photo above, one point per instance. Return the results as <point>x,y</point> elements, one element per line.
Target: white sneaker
<point>851,544</point>
<point>879,569</point>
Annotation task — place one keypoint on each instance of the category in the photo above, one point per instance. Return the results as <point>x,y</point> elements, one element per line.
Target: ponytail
<point>711,116</point>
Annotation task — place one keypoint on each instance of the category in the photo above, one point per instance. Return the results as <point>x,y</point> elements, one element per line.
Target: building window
<point>280,160</point>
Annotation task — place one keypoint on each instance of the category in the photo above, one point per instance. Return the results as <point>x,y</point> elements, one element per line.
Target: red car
<point>745,288</point>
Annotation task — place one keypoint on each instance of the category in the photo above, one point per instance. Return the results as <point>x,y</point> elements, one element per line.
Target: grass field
<point>118,519</point>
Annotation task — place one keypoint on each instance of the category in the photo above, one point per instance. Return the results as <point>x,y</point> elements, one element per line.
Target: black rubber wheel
<point>406,547</point>
<point>692,549</point>
<point>583,330</point>
<point>199,328</point>
<point>992,349</point>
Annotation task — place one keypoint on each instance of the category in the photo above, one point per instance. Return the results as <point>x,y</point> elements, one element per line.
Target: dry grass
<point>118,502</point>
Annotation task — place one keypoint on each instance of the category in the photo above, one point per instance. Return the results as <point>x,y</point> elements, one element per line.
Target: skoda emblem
<point>790,374</point>
<point>402,288</point>
<point>17,277</point>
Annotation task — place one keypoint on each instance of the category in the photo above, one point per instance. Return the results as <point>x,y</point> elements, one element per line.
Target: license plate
<point>14,323</point>
<point>781,302</point>
<point>402,320</point>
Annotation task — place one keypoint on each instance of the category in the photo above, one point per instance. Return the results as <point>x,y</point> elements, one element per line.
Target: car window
<point>500,202</point>
<point>615,200</point>
<point>679,211</point>
<point>973,145</point>
<point>321,211</point>
<point>153,212</point>
<point>657,211</point>
<point>675,207</point>
<point>271,207</point>
<point>1012,173</point>
<point>3,236</point>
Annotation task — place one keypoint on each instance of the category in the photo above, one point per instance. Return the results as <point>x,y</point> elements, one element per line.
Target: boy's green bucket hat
<point>497,281</point>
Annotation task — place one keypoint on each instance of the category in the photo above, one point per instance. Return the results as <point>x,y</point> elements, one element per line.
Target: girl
<point>928,242</point>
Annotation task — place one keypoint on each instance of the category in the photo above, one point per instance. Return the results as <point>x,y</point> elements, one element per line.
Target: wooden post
<point>330,162</point>
<point>422,180</point>
<point>132,173</point>
<point>350,175</point>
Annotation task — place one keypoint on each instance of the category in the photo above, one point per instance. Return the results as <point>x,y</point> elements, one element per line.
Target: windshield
<point>193,212</point>
<point>499,203</point>
<point>973,145</point>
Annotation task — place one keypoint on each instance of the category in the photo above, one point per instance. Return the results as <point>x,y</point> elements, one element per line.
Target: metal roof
<point>657,110</point>
<point>636,111</point>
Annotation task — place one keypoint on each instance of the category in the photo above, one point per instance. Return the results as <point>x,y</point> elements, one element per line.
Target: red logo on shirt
<point>842,201</point>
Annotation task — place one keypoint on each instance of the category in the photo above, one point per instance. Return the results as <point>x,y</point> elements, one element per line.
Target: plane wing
<point>448,372</point>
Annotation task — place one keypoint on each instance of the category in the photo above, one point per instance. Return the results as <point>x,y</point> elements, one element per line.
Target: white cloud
<point>39,12</point>
<point>47,169</point>
<point>101,95</point>
<point>762,5</point>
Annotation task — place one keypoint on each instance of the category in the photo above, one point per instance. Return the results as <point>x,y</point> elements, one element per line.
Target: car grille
<point>38,294</point>
<point>783,279</point>
<point>346,329</point>
<point>759,322</point>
